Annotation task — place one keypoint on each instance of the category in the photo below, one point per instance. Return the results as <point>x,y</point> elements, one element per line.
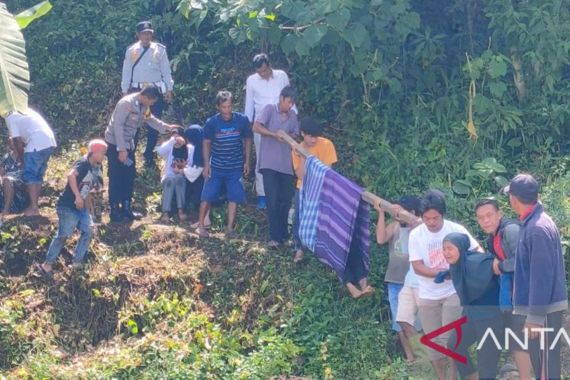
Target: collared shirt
<point>32,128</point>
<point>128,116</point>
<point>260,92</point>
<point>275,154</point>
<point>153,66</point>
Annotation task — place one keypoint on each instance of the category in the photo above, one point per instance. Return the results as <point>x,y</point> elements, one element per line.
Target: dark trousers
<point>279,189</point>
<point>489,354</point>
<point>151,133</point>
<point>121,176</point>
<point>194,192</point>
<point>547,360</point>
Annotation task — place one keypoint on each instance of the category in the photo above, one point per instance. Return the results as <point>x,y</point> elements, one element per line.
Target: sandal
<point>44,273</point>
<point>197,224</point>
<point>202,232</point>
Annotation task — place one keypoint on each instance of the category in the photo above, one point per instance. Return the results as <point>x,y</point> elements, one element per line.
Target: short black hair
<point>410,203</point>
<point>487,201</point>
<point>310,126</point>
<point>289,92</point>
<point>223,96</point>
<point>433,200</point>
<point>151,92</point>
<point>260,59</point>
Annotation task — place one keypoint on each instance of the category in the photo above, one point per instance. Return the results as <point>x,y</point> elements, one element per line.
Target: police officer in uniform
<point>146,63</point>
<point>129,115</point>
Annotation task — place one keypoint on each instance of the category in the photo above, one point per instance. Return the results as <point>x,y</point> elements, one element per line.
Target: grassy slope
<point>156,302</point>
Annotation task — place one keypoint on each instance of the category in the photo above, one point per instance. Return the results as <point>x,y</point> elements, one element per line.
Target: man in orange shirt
<point>324,150</point>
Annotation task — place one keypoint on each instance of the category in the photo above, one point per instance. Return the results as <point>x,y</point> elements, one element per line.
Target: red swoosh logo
<point>455,325</point>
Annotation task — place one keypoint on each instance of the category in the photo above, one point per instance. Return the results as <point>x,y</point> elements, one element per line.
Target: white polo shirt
<point>260,92</point>
<point>33,129</point>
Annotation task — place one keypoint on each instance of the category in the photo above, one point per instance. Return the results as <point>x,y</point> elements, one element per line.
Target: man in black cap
<point>540,280</point>
<point>146,64</point>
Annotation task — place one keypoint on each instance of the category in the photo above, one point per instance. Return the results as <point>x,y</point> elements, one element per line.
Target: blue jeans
<point>393,292</point>
<point>69,219</point>
<point>35,165</point>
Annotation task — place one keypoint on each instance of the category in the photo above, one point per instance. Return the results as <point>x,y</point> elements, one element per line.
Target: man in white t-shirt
<point>261,89</point>
<point>34,143</point>
<point>438,303</point>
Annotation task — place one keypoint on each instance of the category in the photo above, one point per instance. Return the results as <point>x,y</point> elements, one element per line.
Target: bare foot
<point>298,256</point>
<point>363,283</point>
<point>368,291</point>
<point>165,218</point>
<point>353,290</point>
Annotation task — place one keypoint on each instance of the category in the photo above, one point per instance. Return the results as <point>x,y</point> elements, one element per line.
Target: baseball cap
<point>144,26</point>
<point>523,186</point>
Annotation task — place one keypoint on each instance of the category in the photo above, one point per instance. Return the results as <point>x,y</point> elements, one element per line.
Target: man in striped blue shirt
<point>227,150</point>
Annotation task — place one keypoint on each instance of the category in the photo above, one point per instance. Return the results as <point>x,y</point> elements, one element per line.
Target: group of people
<point>436,273</point>
<point>515,283</point>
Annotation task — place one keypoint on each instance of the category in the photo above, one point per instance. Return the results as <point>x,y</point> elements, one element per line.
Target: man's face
<point>225,109</point>
<point>285,104</point>
<point>309,140</point>
<point>433,220</point>
<point>145,38</point>
<point>264,71</point>
<point>99,156</point>
<point>146,101</point>
<point>489,218</point>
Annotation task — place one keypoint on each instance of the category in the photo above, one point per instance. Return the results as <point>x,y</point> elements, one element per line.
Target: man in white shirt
<point>438,303</point>
<point>262,88</point>
<point>34,143</point>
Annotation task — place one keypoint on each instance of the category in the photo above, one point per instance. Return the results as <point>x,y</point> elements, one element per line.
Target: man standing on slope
<point>540,280</point>
<point>262,88</point>
<point>146,64</point>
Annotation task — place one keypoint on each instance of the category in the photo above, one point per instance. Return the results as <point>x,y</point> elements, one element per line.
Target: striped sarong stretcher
<point>309,196</point>
<point>343,228</point>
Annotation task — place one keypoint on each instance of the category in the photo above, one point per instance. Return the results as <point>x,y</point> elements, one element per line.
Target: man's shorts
<point>408,306</point>
<point>218,179</point>
<point>35,165</point>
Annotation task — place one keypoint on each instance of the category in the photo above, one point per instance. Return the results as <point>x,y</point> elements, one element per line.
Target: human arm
<point>298,164</point>
<point>72,181</point>
<point>510,242</point>
<point>247,143</point>
<point>262,120</point>
<point>423,270</point>
<point>165,148</point>
<point>167,76</point>
<point>383,233</point>
<point>18,144</point>
<point>249,105</point>
<point>126,75</point>
<point>206,149</point>
<point>157,124</point>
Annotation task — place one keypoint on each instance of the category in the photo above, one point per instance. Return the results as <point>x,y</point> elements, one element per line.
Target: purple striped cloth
<point>343,228</point>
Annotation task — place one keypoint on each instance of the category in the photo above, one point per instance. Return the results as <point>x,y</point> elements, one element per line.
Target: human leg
<point>85,226</point>
<point>68,221</point>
